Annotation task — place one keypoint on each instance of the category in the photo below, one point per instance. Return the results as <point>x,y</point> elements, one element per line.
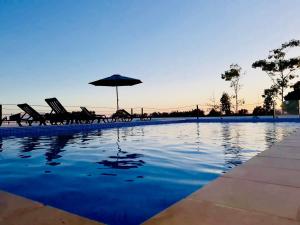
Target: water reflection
<point>86,137</point>
<point>29,144</point>
<point>272,133</point>
<point>198,142</point>
<point>1,144</point>
<point>232,146</point>
<point>122,159</point>
<point>57,146</point>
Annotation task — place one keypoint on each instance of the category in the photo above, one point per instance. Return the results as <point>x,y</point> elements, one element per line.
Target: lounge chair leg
<point>19,123</point>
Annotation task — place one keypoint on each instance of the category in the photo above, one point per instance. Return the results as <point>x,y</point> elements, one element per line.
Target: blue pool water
<point>127,175</point>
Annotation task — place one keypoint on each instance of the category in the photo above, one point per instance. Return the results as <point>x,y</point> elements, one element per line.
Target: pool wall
<point>60,129</point>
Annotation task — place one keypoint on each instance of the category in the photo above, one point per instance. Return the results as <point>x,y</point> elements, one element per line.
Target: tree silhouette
<point>213,103</point>
<point>192,113</point>
<point>279,68</point>
<point>295,94</point>
<point>292,105</point>
<point>233,75</point>
<point>269,98</point>
<point>259,111</point>
<point>225,104</point>
<point>214,112</point>
<point>242,112</point>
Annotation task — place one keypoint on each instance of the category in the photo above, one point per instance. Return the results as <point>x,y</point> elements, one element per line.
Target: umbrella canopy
<point>115,81</point>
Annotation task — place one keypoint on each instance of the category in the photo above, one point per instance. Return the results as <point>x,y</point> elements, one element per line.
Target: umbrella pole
<point>117,98</point>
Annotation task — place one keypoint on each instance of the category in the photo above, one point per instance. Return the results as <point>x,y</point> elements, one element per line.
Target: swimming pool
<point>126,175</point>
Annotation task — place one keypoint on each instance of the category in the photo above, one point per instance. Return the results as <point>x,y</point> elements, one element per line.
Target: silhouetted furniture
<point>145,116</point>
<point>89,116</point>
<point>1,119</point>
<point>122,115</point>
<point>31,115</point>
<point>59,114</point>
<point>15,118</point>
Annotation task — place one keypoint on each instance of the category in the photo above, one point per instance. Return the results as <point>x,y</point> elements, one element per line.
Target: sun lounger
<point>122,115</point>
<point>15,118</point>
<point>144,117</point>
<point>91,116</point>
<point>2,119</point>
<point>31,115</point>
<point>60,115</point>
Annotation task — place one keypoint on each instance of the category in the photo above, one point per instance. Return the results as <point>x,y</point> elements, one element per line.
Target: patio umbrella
<point>116,80</point>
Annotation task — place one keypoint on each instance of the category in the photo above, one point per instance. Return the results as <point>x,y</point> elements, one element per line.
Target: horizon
<point>178,49</point>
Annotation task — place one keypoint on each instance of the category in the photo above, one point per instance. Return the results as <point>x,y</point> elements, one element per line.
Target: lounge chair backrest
<point>86,111</point>
<point>29,110</point>
<point>56,106</point>
<point>125,112</point>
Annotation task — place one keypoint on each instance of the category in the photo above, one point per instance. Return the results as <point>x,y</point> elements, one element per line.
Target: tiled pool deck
<point>264,190</point>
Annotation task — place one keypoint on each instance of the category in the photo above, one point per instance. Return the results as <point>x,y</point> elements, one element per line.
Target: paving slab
<point>16,210</point>
<point>283,201</point>
<point>11,205</point>
<point>287,153</point>
<point>193,212</point>
<point>286,148</point>
<point>274,162</point>
<point>287,177</point>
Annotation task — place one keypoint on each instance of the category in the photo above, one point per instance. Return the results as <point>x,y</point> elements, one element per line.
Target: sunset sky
<point>177,48</point>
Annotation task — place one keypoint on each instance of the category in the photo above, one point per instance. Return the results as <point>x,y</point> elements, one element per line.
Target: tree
<point>214,112</point>
<point>233,75</point>
<point>213,103</point>
<point>259,111</point>
<point>295,94</point>
<point>225,104</point>
<point>279,68</point>
<point>243,112</point>
<point>269,98</point>
<point>291,107</point>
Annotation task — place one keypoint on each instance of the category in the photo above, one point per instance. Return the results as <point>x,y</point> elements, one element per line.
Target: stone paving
<point>15,210</point>
<point>263,191</point>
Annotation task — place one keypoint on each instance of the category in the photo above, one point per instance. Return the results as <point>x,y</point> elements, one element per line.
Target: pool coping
<point>264,190</point>
<point>59,129</point>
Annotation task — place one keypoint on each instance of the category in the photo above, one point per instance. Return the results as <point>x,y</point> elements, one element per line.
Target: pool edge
<point>59,129</point>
